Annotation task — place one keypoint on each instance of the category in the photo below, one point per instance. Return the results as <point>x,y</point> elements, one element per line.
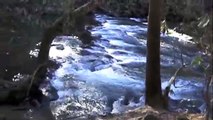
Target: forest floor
<point>8,112</point>
<point>145,113</point>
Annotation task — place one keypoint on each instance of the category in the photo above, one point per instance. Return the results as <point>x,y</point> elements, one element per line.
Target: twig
<point>182,66</point>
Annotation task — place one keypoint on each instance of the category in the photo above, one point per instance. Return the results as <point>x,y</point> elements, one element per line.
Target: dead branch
<point>173,78</point>
<point>172,81</point>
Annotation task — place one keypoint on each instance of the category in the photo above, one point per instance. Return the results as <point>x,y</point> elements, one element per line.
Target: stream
<point>108,76</point>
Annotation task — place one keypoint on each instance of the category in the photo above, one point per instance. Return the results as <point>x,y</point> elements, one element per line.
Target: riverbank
<point>112,65</point>
<point>147,113</point>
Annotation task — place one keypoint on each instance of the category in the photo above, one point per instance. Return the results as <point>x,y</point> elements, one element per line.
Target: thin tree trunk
<point>153,92</point>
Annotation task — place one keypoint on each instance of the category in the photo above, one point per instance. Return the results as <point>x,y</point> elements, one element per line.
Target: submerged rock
<point>150,117</point>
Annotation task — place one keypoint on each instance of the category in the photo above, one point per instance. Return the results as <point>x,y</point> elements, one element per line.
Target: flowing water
<point>108,75</point>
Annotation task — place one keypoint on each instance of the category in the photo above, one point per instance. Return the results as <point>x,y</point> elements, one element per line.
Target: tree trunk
<point>208,4</point>
<point>49,34</point>
<point>153,92</point>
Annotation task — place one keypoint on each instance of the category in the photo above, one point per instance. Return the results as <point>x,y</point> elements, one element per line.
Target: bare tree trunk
<point>153,92</point>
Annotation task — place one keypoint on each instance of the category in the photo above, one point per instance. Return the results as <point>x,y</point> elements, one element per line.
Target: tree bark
<point>153,92</point>
<point>208,5</point>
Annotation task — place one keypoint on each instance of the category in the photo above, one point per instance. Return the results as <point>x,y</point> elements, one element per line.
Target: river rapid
<point>108,75</point>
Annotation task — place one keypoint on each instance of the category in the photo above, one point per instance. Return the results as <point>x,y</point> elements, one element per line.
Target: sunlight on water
<point>97,79</point>
<point>182,37</point>
<point>108,76</point>
<point>60,49</point>
<point>120,43</point>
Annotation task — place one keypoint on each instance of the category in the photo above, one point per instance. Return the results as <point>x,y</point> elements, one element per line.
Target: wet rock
<point>182,118</point>
<point>85,37</point>
<point>151,117</point>
<point>133,64</point>
<point>60,47</point>
<point>35,103</point>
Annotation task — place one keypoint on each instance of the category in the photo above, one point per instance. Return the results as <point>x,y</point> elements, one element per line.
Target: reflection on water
<point>108,76</point>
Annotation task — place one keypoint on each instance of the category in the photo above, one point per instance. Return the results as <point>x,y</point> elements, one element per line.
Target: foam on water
<point>102,72</point>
